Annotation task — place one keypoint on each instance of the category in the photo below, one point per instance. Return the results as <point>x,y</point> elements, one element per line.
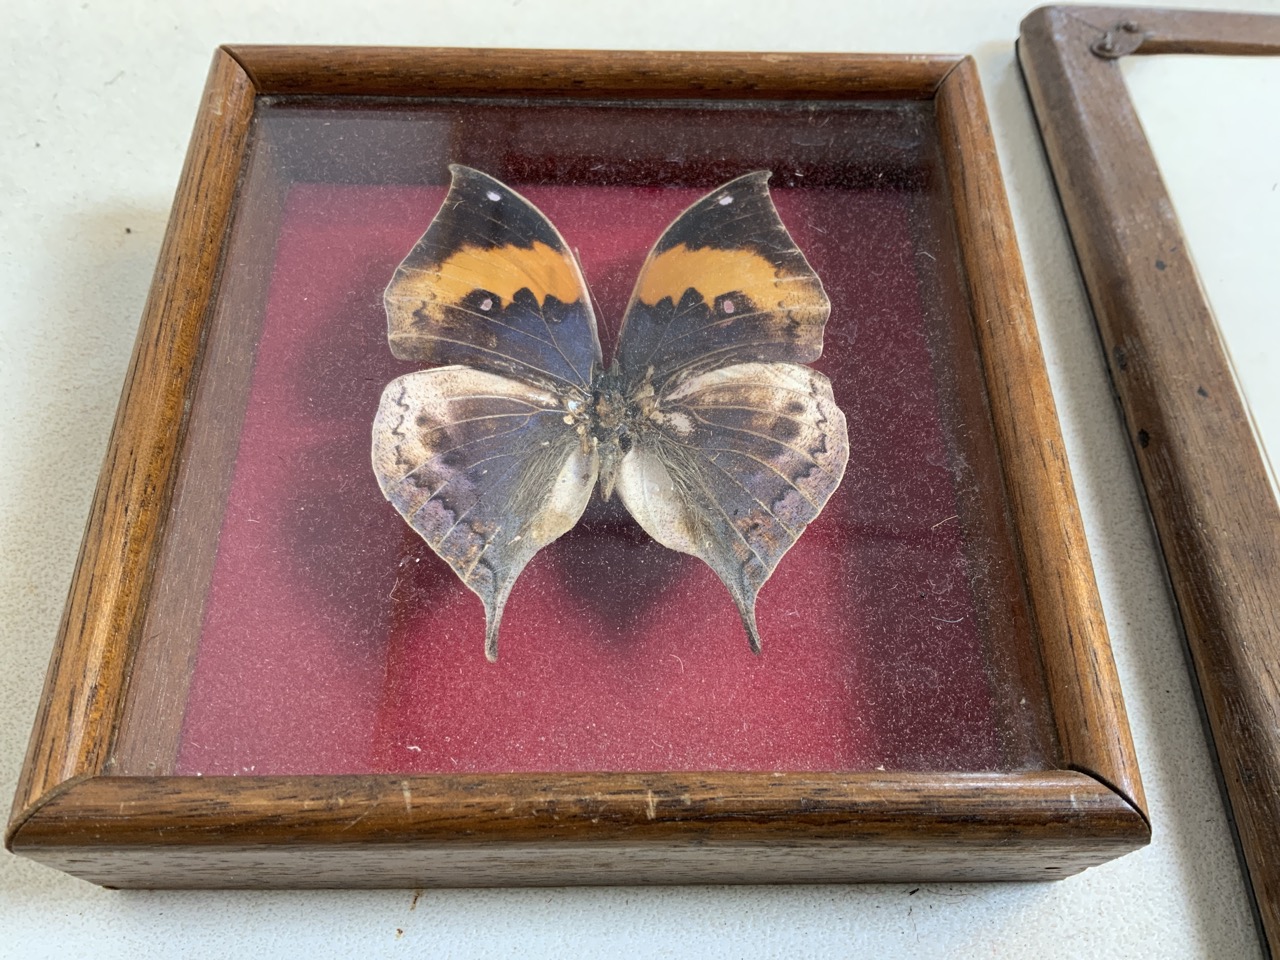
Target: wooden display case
<point>256,681</point>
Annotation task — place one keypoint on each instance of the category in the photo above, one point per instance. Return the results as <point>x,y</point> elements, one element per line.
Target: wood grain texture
<point>582,828</point>
<point>83,688</point>
<point>586,74</point>
<point>1093,728</point>
<point>1214,509</point>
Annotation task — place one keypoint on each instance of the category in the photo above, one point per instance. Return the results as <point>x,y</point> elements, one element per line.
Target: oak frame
<point>70,812</point>
<point>1206,480</point>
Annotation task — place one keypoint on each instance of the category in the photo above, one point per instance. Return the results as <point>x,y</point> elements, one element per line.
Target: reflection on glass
<point>303,627</point>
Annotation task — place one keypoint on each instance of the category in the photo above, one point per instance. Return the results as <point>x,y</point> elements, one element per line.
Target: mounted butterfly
<point>717,440</point>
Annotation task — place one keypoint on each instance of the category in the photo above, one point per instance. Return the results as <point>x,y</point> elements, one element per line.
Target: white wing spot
<point>677,421</point>
<point>486,304</point>
<point>494,195</point>
<point>726,200</point>
<point>728,306</point>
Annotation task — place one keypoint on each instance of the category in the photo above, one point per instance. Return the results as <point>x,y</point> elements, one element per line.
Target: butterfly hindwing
<point>493,285</point>
<point>724,284</point>
<point>485,469</point>
<point>732,467</point>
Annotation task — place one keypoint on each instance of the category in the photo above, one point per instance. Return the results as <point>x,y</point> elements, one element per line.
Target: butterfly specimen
<point>716,438</point>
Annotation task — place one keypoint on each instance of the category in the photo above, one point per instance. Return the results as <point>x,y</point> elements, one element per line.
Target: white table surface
<point>96,108</point>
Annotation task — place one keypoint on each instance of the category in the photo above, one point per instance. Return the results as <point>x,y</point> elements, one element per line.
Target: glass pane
<point>300,626</point>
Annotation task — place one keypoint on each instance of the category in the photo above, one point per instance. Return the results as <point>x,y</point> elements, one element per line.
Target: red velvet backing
<point>335,641</point>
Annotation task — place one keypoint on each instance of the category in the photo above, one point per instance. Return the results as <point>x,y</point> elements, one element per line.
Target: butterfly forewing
<point>493,285</point>
<point>485,469</point>
<point>724,284</point>
<point>740,461</point>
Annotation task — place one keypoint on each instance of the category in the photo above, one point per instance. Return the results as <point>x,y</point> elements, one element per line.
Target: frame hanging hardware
<point>1120,39</point>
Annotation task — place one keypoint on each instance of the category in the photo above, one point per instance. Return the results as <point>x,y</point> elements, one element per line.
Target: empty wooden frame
<point>1212,501</point>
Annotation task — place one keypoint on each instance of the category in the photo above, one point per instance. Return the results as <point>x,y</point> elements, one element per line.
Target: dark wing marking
<point>486,469</point>
<point>735,465</point>
<point>724,284</point>
<point>492,284</point>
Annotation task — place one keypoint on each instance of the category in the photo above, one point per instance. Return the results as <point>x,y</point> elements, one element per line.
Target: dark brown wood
<point>427,72</point>
<point>586,828</point>
<point>1211,498</point>
<point>1093,729</point>
<point>593,828</point>
<point>82,694</point>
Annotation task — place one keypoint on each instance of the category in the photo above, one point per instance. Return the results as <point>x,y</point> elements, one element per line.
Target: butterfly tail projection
<point>747,610</point>
<point>494,603</point>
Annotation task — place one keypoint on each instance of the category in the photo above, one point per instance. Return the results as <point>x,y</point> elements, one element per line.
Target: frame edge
<point>83,688</point>
<point>1083,685</point>
<point>461,71</point>
<point>569,828</point>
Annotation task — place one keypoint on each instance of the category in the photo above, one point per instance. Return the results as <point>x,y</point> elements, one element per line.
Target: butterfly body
<point>708,426</point>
